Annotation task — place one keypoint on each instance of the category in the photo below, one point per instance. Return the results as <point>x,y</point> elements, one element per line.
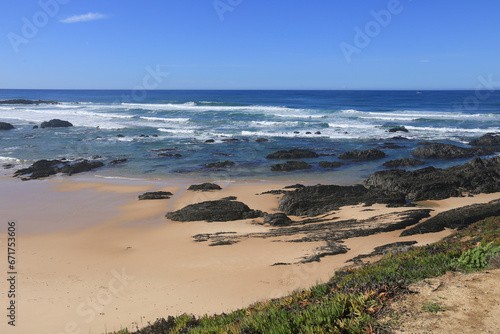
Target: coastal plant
<point>433,307</point>
<point>476,258</point>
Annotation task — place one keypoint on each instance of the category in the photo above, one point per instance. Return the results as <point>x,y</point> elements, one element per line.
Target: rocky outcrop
<point>261,140</point>
<point>398,129</point>
<point>290,165</point>
<point>220,210</point>
<point>118,161</point>
<point>220,164</point>
<point>6,126</point>
<point>489,139</point>
<point>330,164</point>
<point>45,168</point>
<point>155,195</point>
<point>476,176</point>
<point>456,219</point>
<point>56,123</point>
<point>315,200</point>
<point>443,151</point>
<point>403,163</point>
<point>204,187</point>
<point>277,219</point>
<point>293,154</point>
<point>23,101</point>
<point>371,154</point>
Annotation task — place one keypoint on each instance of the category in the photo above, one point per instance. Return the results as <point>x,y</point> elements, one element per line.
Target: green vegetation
<point>349,303</point>
<point>433,307</point>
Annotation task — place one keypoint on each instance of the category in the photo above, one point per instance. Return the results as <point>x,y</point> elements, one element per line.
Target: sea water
<point>111,124</point>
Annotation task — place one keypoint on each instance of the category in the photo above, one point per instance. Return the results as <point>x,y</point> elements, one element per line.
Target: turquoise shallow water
<point>110,124</point>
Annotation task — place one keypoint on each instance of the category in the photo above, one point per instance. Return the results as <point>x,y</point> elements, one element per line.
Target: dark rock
<point>390,146</point>
<point>293,154</point>
<point>35,126</point>
<point>220,164</point>
<point>308,133</point>
<point>277,219</point>
<point>8,166</point>
<point>175,155</point>
<point>274,192</point>
<point>220,210</point>
<point>476,176</point>
<point>290,165</point>
<point>118,161</point>
<point>80,166</point>
<point>489,139</point>
<point>40,169</point>
<point>261,140</point>
<point>6,126</point>
<point>230,198</point>
<point>398,129</point>
<point>315,200</point>
<point>155,195</point>
<point>332,248</point>
<point>371,154</point>
<point>399,138</point>
<point>23,101</point>
<point>120,136</point>
<point>330,164</point>
<point>223,154</point>
<point>155,136</point>
<point>294,186</point>
<point>403,162</point>
<point>317,133</point>
<point>296,132</point>
<point>458,218</point>
<point>443,151</point>
<point>230,140</point>
<point>394,247</point>
<point>56,123</point>
<point>204,187</point>
<point>209,141</point>
<point>165,149</point>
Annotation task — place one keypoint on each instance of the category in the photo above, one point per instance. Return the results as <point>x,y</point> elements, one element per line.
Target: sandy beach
<point>93,258</point>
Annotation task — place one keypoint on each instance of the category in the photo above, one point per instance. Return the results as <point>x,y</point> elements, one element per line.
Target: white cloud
<point>84,18</point>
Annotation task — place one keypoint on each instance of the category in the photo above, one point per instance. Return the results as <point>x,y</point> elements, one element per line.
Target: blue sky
<point>249,44</point>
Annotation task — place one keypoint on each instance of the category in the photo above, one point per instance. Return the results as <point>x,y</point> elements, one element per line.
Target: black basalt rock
<point>56,123</point>
<point>403,163</point>
<point>204,187</point>
<point>219,210</point>
<point>277,219</point>
<point>6,126</point>
<point>443,151</point>
<point>371,154</point>
<point>489,139</point>
<point>155,195</point>
<point>293,154</point>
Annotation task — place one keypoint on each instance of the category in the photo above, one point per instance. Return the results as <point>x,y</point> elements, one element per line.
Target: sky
<point>249,44</point>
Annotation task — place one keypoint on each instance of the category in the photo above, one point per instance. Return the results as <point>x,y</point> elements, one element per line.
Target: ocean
<point>163,134</point>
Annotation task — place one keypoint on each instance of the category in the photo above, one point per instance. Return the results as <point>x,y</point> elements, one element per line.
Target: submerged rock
<point>220,164</point>
<point>155,195</point>
<point>330,164</point>
<point>458,218</point>
<point>293,154</point>
<point>6,126</point>
<point>290,165</point>
<point>220,210</point>
<point>118,161</point>
<point>315,200</point>
<point>403,162</point>
<point>261,140</point>
<point>56,123</point>
<point>476,176</point>
<point>371,154</point>
<point>204,187</point>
